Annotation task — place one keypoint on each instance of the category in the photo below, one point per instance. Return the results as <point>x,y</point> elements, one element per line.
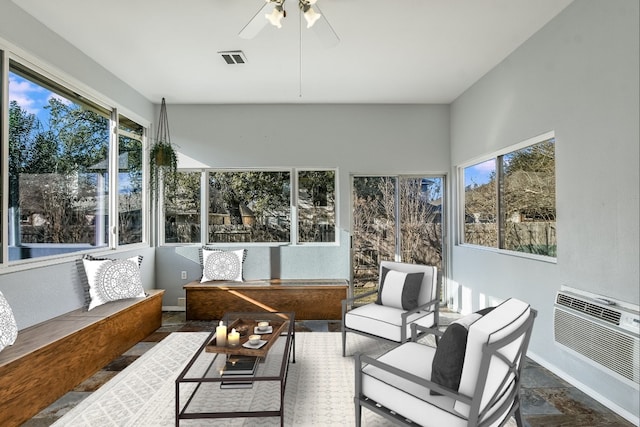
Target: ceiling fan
<point>273,11</point>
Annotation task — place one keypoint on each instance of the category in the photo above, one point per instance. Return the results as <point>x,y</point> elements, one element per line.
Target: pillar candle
<point>221,335</point>
<point>234,338</point>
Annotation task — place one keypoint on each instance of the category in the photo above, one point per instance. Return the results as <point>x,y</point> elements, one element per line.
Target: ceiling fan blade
<point>258,22</point>
<point>324,30</point>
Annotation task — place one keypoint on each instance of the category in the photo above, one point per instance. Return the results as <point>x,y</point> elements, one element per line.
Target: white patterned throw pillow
<point>8,325</point>
<point>222,265</point>
<point>113,279</point>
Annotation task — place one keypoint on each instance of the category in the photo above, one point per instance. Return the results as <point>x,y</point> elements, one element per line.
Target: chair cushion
<point>429,287</point>
<point>404,397</point>
<point>449,357</point>
<point>500,322</point>
<point>383,321</point>
<point>399,289</point>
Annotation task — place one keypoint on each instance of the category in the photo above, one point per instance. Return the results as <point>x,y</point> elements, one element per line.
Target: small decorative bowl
<point>254,339</point>
<point>242,330</point>
<point>263,326</point>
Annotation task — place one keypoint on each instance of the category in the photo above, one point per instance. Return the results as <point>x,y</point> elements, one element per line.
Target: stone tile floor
<point>547,400</point>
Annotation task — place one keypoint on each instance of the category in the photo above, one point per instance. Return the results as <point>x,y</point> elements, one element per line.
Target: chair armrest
<point>351,300</point>
<point>364,359</point>
<point>424,331</point>
<point>424,307</point>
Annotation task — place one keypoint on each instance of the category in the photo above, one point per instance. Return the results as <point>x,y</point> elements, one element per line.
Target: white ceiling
<point>400,51</point>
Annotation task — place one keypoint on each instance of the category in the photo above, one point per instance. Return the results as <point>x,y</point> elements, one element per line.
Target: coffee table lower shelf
<point>198,390</point>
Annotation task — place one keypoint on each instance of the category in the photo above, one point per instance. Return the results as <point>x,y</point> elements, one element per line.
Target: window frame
<point>162,215</point>
<point>293,202</point>
<point>461,211</point>
<point>69,85</point>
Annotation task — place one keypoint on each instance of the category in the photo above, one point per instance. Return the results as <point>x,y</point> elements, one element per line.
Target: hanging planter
<point>163,159</point>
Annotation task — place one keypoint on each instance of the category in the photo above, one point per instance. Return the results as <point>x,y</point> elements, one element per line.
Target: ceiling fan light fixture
<point>310,15</point>
<point>277,13</point>
<point>276,16</point>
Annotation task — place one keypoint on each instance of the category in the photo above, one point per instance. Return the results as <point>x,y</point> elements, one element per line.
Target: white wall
<point>578,76</point>
<point>381,139</point>
<point>38,44</point>
<point>354,138</point>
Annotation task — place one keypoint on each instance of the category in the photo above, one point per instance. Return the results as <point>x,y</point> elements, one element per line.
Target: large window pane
<point>529,202</point>
<point>58,152</point>
<point>421,220</point>
<point>130,216</point>
<point>182,209</point>
<point>316,206</point>
<point>373,227</point>
<point>510,200</point>
<point>480,204</point>
<point>253,206</point>
<point>395,218</point>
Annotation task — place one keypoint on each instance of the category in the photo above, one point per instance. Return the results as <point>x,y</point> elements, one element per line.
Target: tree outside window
<point>249,206</point>
<point>510,200</point>
<point>316,206</point>
<point>58,183</point>
<point>182,209</point>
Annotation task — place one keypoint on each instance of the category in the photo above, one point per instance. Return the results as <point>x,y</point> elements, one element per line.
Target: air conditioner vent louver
<point>606,336</point>
<point>608,315</point>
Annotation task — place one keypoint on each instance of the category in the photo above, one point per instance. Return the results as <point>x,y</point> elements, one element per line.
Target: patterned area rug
<point>319,389</point>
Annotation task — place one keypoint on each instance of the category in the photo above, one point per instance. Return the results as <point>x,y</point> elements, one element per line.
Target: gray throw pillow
<point>446,368</point>
<point>398,289</point>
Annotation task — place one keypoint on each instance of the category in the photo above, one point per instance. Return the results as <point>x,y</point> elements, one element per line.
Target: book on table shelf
<point>241,384</point>
<point>240,365</point>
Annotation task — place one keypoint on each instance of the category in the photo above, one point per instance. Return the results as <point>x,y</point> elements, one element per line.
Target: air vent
<point>602,313</point>
<point>233,57</point>
<point>601,331</point>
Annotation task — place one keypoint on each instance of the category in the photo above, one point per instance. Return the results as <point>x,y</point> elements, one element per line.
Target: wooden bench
<point>51,358</point>
<point>310,299</point>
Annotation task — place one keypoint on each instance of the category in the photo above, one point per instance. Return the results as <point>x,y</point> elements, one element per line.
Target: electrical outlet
<point>183,275</point>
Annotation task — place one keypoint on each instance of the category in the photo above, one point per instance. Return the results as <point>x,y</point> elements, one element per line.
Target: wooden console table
<point>310,299</point>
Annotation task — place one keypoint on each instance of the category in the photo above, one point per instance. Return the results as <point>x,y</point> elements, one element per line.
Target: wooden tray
<point>250,324</point>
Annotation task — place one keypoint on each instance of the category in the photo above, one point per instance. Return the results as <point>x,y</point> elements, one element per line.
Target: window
<point>249,206</point>
<point>509,200</point>
<point>58,153</point>
<point>61,176</point>
<point>316,206</point>
<point>130,175</point>
<point>182,209</point>
<point>252,206</point>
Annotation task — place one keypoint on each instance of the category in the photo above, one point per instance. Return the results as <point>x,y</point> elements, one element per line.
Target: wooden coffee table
<point>203,392</point>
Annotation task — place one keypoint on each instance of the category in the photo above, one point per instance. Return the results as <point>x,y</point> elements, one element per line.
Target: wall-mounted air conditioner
<point>601,331</point>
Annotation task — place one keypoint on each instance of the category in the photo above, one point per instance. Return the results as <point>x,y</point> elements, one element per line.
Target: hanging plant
<point>163,159</point>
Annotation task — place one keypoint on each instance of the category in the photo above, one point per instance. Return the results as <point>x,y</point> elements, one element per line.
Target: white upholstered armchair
<point>406,294</point>
<point>471,379</point>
